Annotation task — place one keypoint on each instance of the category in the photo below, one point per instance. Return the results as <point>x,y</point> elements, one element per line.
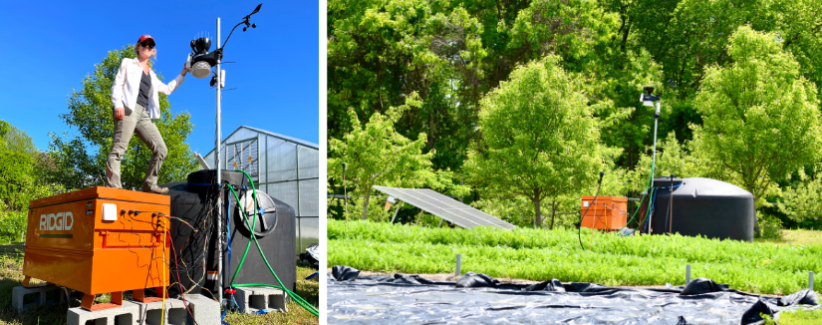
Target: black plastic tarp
<point>480,299</point>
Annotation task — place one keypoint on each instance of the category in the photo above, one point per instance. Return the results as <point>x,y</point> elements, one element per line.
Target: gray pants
<point>135,120</point>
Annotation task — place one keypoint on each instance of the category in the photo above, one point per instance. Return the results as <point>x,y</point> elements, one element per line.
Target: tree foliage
<point>22,179</point>
<point>453,54</point>
<point>761,116</point>
<point>672,158</point>
<point>540,136</point>
<point>375,154</point>
<point>380,52</point>
<point>82,158</point>
<point>802,203</point>
<point>22,176</point>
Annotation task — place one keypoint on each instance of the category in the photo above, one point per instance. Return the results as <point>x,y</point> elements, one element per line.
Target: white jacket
<point>126,87</point>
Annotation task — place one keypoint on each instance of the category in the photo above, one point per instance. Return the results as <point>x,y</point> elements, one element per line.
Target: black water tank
<point>703,206</point>
<point>192,201</point>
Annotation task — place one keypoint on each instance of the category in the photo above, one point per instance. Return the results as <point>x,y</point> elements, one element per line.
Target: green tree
<point>380,52</point>
<point>687,36</point>
<point>540,137</point>
<point>18,166</point>
<point>573,30</point>
<point>761,116</point>
<point>560,211</point>
<point>21,179</point>
<point>671,158</point>
<point>626,123</point>
<point>82,158</point>
<point>802,203</point>
<point>375,154</point>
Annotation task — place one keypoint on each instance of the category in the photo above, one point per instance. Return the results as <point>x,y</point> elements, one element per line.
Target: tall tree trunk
<point>553,213</point>
<point>367,198</point>
<point>537,214</point>
<point>625,34</point>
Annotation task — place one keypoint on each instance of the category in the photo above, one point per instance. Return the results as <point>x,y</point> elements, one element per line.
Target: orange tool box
<point>606,213</point>
<point>99,240</point>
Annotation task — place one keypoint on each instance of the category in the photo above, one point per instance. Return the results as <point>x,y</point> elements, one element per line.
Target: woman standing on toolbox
<point>136,104</point>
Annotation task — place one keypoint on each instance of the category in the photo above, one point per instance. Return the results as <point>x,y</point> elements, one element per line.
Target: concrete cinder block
<point>18,294</point>
<point>254,299</point>
<point>206,311</point>
<point>127,314</point>
<point>152,313</point>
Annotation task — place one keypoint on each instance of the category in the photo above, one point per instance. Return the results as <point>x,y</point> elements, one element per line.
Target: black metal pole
<point>671,207</point>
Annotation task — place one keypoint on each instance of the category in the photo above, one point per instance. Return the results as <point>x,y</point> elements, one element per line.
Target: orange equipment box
<point>607,213</point>
<point>99,240</point>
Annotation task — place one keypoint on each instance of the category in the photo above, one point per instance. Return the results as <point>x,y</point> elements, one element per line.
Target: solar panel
<point>445,207</point>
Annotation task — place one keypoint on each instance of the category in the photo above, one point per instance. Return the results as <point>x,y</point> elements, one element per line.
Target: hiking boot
<point>156,190</point>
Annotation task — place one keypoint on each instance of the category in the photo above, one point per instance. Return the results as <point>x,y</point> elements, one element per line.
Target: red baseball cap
<point>145,38</point>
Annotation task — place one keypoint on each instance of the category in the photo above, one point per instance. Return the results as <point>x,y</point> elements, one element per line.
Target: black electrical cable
<point>579,229</point>
<point>182,291</point>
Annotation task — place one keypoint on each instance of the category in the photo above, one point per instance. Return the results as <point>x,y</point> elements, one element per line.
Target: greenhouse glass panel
<point>309,233</point>
<point>262,161</point>
<point>282,160</point>
<point>243,155</point>
<point>309,163</point>
<point>283,167</point>
<point>240,134</point>
<point>309,198</point>
<point>209,158</point>
<point>286,192</point>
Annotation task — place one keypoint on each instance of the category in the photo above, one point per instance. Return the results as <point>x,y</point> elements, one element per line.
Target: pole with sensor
<point>648,99</point>
<point>200,63</point>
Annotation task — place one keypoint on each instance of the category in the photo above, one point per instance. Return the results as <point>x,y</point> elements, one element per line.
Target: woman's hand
<point>185,70</point>
<point>119,113</point>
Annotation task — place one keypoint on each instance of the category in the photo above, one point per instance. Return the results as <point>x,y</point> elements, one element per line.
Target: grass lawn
<point>802,317</point>
<point>11,260</point>
<point>536,254</point>
<point>308,289</point>
<point>796,237</point>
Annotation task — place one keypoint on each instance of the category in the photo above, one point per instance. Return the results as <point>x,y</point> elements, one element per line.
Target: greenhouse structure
<point>286,168</point>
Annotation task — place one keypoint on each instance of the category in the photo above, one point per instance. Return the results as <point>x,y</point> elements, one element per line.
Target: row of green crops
<point>540,255</point>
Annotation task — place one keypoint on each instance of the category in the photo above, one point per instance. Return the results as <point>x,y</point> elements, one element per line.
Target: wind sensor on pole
<point>200,62</point>
<point>648,99</point>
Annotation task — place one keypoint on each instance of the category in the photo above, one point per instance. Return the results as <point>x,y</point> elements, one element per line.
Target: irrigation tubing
<point>296,297</point>
<point>307,306</point>
<point>644,195</point>
<point>228,242</point>
<point>644,222</point>
<point>652,204</point>
<point>644,217</point>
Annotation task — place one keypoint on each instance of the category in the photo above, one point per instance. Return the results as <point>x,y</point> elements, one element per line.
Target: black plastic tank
<point>196,253</point>
<point>703,207</point>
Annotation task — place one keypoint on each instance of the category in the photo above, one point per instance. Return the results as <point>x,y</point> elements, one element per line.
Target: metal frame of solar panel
<point>442,206</point>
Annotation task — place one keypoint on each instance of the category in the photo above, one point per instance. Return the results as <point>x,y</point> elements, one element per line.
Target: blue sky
<point>47,48</point>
